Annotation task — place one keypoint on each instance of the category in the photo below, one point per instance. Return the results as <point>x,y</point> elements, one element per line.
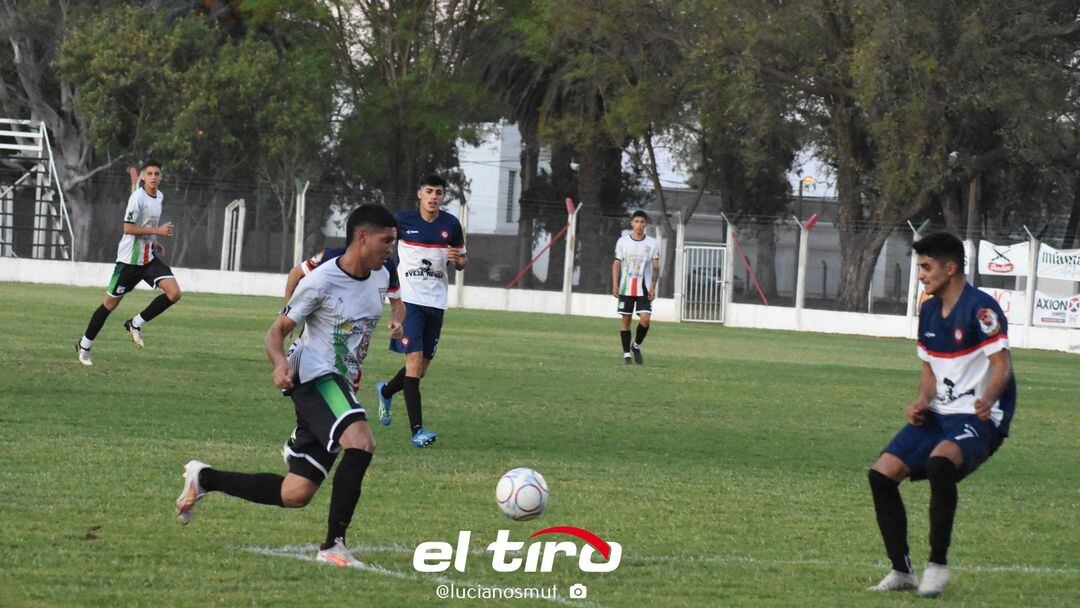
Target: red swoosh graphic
<point>597,543</point>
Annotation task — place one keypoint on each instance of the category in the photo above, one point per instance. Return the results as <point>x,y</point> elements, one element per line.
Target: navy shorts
<point>977,439</point>
<point>325,407</point>
<point>422,327</point>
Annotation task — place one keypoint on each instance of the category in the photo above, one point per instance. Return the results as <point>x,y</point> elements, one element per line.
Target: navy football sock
<point>892,519</point>
<point>943,476</point>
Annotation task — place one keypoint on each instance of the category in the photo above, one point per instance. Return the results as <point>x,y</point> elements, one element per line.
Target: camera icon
<point>578,591</point>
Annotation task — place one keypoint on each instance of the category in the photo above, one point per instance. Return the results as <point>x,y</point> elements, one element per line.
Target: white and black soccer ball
<point>522,494</point>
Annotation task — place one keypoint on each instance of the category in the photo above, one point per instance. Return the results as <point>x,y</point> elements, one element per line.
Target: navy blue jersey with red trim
<point>335,252</point>
<point>422,256</point>
<point>958,348</point>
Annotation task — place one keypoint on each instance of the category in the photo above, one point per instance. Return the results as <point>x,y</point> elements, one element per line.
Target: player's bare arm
<point>165,229</point>
<point>397,318</point>
<point>457,258</point>
<point>927,388</point>
<point>275,336</point>
<point>293,279</point>
<point>1000,372</point>
<point>616,270</point>
<point>655,279</point>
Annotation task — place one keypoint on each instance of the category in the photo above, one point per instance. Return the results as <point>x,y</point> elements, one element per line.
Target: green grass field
<point>731,467</point>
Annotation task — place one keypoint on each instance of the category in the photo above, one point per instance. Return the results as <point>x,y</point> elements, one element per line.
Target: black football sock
<point>345,493</point>
<point>413,404</point>
<point>155,308</point>
<point>624,335</point>
<point>943,476</point>
<point>892,519</point>
<point>394,385</point>
<point>640,336</point>
<point>97,320</point>
<point>262,488</point>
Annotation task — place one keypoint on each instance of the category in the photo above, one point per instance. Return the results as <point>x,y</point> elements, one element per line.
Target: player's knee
<point>295,499</point>
<point>940,468</point>
<point>110,303</point>
<point>174,296</point>
<point>879,480</point>
<point>643,322</point>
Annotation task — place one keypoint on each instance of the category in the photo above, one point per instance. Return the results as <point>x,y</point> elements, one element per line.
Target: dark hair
<point>639,213</point>
<point>433,180</point>
<point>368,215</point>
<point>149,163</point>
<point>943,247</point>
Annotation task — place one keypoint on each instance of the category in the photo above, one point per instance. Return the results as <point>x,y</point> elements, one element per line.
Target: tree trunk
<point>1069,240</point>
<point>859,250</point>
<point>766,257</point>
<point>952,210</point>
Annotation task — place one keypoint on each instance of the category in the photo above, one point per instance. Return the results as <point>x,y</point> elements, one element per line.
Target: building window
<point>510,197</point>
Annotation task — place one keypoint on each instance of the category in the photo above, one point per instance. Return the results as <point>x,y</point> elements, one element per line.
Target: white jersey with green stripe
<point>635,261</point>
<point>340,313</point>
<point>144,211</point>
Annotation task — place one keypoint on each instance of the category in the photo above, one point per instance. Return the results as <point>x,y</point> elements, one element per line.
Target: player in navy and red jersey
<point>966,400</point>
<point>429,240</point>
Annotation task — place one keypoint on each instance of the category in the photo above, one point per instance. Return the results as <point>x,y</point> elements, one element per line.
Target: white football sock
<point>86,343</point>
<point>137,321</point>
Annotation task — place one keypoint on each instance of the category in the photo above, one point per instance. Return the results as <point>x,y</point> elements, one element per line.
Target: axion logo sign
<point>540,556</point>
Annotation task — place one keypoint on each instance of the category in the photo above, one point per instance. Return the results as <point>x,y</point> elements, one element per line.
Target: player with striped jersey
<point>634,274</point>
<point>430,240</point>
<point>138,258</point>
<point>961,416</point>
<point>340,303</point>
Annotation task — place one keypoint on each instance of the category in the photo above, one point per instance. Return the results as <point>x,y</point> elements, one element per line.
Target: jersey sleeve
<point>618,250</point>
<point>920,350</point>
<point>305,300</point>
<point>656,250</point>
<point>131,214</point>
<point>393,289</point>
<point>313,262</point>
<point>991,326</point>
<point>457,238</point>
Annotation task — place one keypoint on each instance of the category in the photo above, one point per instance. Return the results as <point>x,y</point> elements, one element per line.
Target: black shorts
<point>126,276</point>
<point>325,407</point>
<point>627,304</point>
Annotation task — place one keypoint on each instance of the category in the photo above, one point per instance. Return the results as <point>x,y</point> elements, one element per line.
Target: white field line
<point>722,559</point>
<point>307,553</point>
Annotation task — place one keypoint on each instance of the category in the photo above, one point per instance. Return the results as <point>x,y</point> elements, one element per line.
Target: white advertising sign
<point>1057,311</point>
<point>1011,302</point>
<point>1059,263</point>
<point>1003,260</point>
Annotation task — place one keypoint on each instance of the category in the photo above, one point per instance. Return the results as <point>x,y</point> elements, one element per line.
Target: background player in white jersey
<point>430,239</point>
<point>340,303</point>
<point>633,275</point>
<point>961,416</point>
<point>137,259</point>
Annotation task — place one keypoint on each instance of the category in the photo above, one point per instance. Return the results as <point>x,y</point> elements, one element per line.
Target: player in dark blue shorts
<point>966,400</point>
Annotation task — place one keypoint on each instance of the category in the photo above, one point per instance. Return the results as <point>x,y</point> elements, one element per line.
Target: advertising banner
<point>1059,263</point>
<point>1011,302</point>
<point>1057,311</point>
<point>1003,260</point>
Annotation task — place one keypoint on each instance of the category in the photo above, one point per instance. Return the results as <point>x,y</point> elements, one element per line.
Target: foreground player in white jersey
<point>961,416</point>
<point>137,259</point>
<point>431,240</point>
<point>633,275</point>
<point>340,303</point>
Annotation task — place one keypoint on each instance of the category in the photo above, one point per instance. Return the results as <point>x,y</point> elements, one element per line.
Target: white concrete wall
<point>86,274</point>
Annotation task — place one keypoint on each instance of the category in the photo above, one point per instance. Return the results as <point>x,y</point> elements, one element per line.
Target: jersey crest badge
<point>958,335</point>
<point>988,322</point>
<point>445,234</point>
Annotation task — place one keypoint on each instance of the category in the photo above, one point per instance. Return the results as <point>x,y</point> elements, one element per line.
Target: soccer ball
<point>522,494</point>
